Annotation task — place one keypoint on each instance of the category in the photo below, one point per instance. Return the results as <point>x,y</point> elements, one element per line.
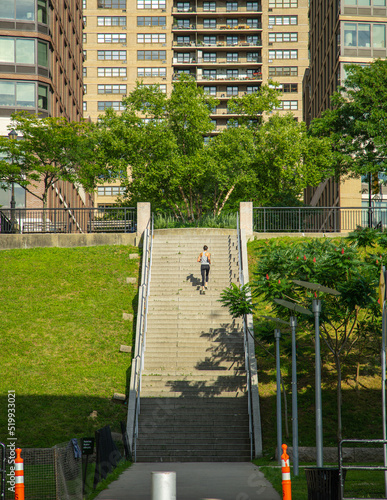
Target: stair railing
<point>134,403</point>
<point>245,342</point>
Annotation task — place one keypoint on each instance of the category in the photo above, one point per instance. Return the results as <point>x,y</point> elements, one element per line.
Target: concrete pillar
<point>143,217</point>
<point>246,216</point>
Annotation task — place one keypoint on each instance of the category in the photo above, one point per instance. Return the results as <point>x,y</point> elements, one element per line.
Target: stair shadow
<point>230,350</point>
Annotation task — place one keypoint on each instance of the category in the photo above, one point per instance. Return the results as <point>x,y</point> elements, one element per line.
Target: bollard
<point>19,476</point>
<point>163,485</point>
<point>286,482</point>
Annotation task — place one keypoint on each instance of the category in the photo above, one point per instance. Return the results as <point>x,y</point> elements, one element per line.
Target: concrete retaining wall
<point>20,241</point>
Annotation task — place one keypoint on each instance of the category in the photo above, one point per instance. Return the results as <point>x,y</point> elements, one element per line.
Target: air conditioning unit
<point>124,62</point>
<point>124,78</point>
<point>164,44</point>
<point>270,27</point>
<point>164,62</point>
<point>124,44</point>
<point>123,10</point>
<point>270,43</point>
<point>164,27</point>
<point>270,10</point>
<point>270,60</point>
<point>163,10</point>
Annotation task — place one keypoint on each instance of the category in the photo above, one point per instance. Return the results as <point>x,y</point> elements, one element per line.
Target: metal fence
<point>317,219</point>
<point>68,220</point>
<point>49,474</point>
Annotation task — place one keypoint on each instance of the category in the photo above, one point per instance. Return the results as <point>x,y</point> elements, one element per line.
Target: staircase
<point>193,392</point>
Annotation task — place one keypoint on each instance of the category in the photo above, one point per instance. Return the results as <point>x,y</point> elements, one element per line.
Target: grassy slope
<point>61,328</point>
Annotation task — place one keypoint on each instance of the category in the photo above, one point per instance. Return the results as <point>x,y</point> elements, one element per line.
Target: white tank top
<point>204,259</point>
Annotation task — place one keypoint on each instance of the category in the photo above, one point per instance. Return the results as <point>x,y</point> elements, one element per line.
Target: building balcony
<point>228,79</point>
<point>220,61</point>
<point>199,44</point>
<point>242,9</point>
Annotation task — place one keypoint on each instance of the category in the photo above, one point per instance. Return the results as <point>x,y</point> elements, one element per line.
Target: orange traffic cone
<point>19,476</point>
<point>286,482</point>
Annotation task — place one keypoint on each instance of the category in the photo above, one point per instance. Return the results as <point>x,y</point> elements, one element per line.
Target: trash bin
<point>323,483</point>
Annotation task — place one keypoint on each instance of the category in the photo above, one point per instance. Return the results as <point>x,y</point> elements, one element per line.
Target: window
<point>111,21</point>
<point>209,40</point>
<point>231,91</point>
<point>364,35</point>
<point>183,40</point>
<point>42,96</point>
<point>231,6</point>
<point>252,89</point>
<point>209,74</point>
<point>283,37</point>
<point>111,89</point>
<point>151,37</point>
<point>151,21</point>
<point>209,6</point>
<point>151,55</point>
<point>286,4</point>
<point>17,94</point>
<point>151,72</point>
<point>283,54</point>
<point>84,4</point>
<point>233,23</point>
<point>84,37</point>
<point>183,23</point>
<point>232,57</point>
<point>183,6</point>
<point>283,71</point>
<point>253,23</point>
<point>84,89</point>
<point>254,73</point>
<point>366,3</point>
<point>111,72</point>
<point>283,20</point>
<point>111,37</point>
<point>253,57</point>
<point>231,40</point>
<point>293,105</point>
<point>252,6</point>
<point>117,105</point>
<point>111,4</point>
<point>19,50</point>
<point>151,4</point>
<point>253,40</point>
<point>110,190</point>
<point>84,72</point>
<point>232,73</point>
<point>183,57</point>
<point>42,11</point>
<point>161,87</point>
<point>209,57</point>
<point>111,55</point>
<point>209,23</point>
<point>289,87</point>
<point>232,123</point>
<point>210,90</point>
<point>84,106</point>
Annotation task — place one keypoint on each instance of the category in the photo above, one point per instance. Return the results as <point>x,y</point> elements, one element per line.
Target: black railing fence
<point>317,219</point>
<point>68,220</point>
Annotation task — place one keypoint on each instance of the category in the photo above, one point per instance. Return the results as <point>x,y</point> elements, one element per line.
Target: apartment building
<point>41,72</point>
<point>351,31</point>
<point>229,47</point>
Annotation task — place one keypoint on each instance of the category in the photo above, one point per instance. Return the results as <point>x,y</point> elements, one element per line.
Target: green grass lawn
<point>61,330</point>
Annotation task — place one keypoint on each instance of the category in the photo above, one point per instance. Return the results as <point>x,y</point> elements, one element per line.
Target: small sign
<point>87,446</point>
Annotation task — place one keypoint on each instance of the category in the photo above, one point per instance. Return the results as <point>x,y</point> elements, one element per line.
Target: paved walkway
<point>195,481</point>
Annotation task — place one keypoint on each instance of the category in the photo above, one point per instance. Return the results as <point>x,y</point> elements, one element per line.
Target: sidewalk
<point>195,481</point>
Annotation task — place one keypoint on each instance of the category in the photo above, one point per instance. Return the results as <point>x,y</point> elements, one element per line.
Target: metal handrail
<point>356,467</point>
<point>142,321</point>
<point>245,342</point>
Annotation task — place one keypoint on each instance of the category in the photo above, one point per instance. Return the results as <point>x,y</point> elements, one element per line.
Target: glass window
<point>209,23</point>
<point>25,51</point>
<point>379,35</point>
<point>350,38</point>
<point>42,97</point>
<point>111,4</point>
<point>253,6</point>
<point>232,91</point>
<point>7,93</point>
<point>7,50</point>
<point>230,6</point>
<point>25,10</point>
<point>25,94</point>
<point>209,40</point>
<point>43,54</point>
<point>111,55</point>
<point>232,73</point>
<point>7,10</point>
<point>209,57</point>
<point>364,35</point>
<point>209,6</point>
<point>232,57</point>
<point>210,90</point>
<point>232,40</point>
<point>42,11</point>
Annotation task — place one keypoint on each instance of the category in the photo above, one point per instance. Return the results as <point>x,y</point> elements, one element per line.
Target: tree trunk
<point>225,199</point>
<point>339,397</point>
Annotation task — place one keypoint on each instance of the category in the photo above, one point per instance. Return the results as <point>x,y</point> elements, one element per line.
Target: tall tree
<point>357,122</point>
<point>50,149</point>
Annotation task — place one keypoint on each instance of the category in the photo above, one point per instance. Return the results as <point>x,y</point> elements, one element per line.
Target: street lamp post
<point>277,336</point>
<point>12,136</point>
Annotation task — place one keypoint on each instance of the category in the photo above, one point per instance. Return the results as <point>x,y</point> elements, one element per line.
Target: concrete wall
<point>13,241</point>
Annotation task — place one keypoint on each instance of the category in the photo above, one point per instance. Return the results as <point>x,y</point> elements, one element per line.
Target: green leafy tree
<point>344,318</point>
<point>51,149</point>
<point>357,122</point>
